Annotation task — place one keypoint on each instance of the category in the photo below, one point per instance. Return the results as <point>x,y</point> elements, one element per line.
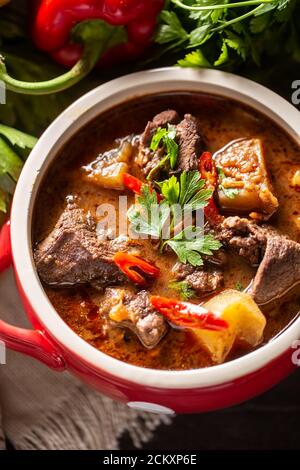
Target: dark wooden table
<point>271,421</point>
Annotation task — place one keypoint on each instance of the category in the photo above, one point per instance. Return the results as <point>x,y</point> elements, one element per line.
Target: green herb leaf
<point>191,243</point>
<point>239,286</point>
<point>199,35</point>
<point>167,137</point>
<point>157,138</point>
<point>189,191</point>
<point>223,57</point>
<point>190,184</point>
<point>194,59</point>
<point>149,217</point>
<point>171,28</point>
<point>229,32</point>
<point>10,162</point>
<point>170,189</point>
<point>10,165</point>
<point>17,138</point>
<point>186,292</point>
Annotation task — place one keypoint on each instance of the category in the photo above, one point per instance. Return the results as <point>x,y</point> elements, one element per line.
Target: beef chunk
<point>147,159</point>
<point>203,280</point>
<point>190,143</point>
<point>279,270</point>
<point>165,117</point>
<point>188,138</point>
<point>134,311</point>
<point>160,120</point>
<point>244,237</point>
<point>71,254</point>
<point>148,324</point>
<point>277,257</point>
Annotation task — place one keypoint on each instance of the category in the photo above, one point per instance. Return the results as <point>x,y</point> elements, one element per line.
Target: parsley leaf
<point>167,137</point>
<point>194,59</point>
<point>14,147</point>
<point>188,191</point>
<point>170,189</point>
<point>199,35</point>
<point>149,217</point>
<point>185,291</point>
<point>18,139</point>
<point>171,28</point>
<point>191,243</point>
<point>192,192</point>
<point>157,138</point>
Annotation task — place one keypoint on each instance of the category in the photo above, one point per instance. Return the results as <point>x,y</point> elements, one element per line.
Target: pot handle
<point>34,343</point>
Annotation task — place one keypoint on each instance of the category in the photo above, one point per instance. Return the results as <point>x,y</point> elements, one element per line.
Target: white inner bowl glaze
<point>61,131</point>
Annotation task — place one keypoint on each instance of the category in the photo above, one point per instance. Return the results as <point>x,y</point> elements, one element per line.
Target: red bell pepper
<point>187,315</point>
<point>128,264</point>
<point>78,33</point>
<point>5,247</point>
<point>56,18</point>
<point>208,172</point>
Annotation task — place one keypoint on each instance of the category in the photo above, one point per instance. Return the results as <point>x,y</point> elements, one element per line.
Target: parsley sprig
<point>150,216</point>
<point>186,292</point>
<point>166,137</point>
<point>218,33</point>
<point>191,243</point>
<point>14,148</point>
<point>188,191</point>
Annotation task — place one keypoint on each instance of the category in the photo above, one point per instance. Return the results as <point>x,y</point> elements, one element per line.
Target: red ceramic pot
<point>54,343</point>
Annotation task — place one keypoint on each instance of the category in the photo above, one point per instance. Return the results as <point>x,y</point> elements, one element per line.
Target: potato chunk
<point>109,167</point>
<point>246,324</point>
<point>244,185</point>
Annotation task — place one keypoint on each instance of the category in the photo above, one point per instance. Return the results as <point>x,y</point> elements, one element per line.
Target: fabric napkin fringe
<point>88,420</point>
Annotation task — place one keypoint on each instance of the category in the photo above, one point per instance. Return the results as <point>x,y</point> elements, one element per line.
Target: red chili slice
<point>208,172</point>
<point>132,183</point>
<point>127,264</point>
<point>135,185</point>
<point>187,315</point>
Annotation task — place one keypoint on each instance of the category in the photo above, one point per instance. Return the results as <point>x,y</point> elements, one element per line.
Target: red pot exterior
<point>187,400</point>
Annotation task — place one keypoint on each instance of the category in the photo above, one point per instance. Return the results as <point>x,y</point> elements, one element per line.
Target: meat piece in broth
<point>134,311</point>
<point>279,270</point>
<point>190,143</point>
<point>245,186</point>
<point>147,160</point>
<point>277,257</point>
<point>245,237</point>
<point>203,280</point>
<point>72,254</point>
<point>188,138</point>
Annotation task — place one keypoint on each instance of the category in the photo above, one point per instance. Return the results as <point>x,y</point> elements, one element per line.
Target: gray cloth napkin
<point>42,409</point>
